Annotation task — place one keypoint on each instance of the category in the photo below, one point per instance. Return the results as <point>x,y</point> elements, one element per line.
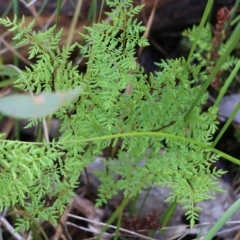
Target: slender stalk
<point>226,125</point>
<point>201,25</point>
<point>220,62</point>
<point>227,84</point>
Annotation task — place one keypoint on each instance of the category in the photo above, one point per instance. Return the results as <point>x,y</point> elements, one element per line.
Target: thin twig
<point>61,229</point>
<point>110,226</point>
<point>92,230</point>
<point>148,26</point>
<point>11,49</point>
<point>31,3</point>
<point>10,229</point>
<point>33,10</point>
<point>52,16</point>
<point>237,236</point>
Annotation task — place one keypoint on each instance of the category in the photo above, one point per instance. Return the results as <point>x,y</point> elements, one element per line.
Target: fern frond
<point>155,103</point>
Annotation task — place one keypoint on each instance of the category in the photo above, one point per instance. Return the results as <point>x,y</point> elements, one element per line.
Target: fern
<point>155,103</point>
<point>51,71</point>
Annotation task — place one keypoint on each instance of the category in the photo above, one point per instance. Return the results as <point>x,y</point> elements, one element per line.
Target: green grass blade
<point>34,221</point>
<point>236,20</point>
<point>118,226</point>
<point>74,22</point>
<point>6,12</point>
<point>227,84</point>
<point>143,202</point>
<point>201,25</point>
<point>133,205</point>
<point>7,82</point>
<point>92,14</point>
<point>59,5</point>
<point>217,226</point>
<point>43,5</point>
<point>226,125</point>
<point>15,13</point>
<point>120,208</point>
<point>236,32</point>
<point>234,10</point>
<point>115,215</point>
<point>167,215</point>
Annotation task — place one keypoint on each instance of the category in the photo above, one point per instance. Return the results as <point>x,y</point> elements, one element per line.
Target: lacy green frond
<point>117,98</point>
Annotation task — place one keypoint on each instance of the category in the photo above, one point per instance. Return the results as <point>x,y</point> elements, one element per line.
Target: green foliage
<point>52,71</point>
<point>29,173</point>
<point>205,48</point>
<point>154,103</point>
